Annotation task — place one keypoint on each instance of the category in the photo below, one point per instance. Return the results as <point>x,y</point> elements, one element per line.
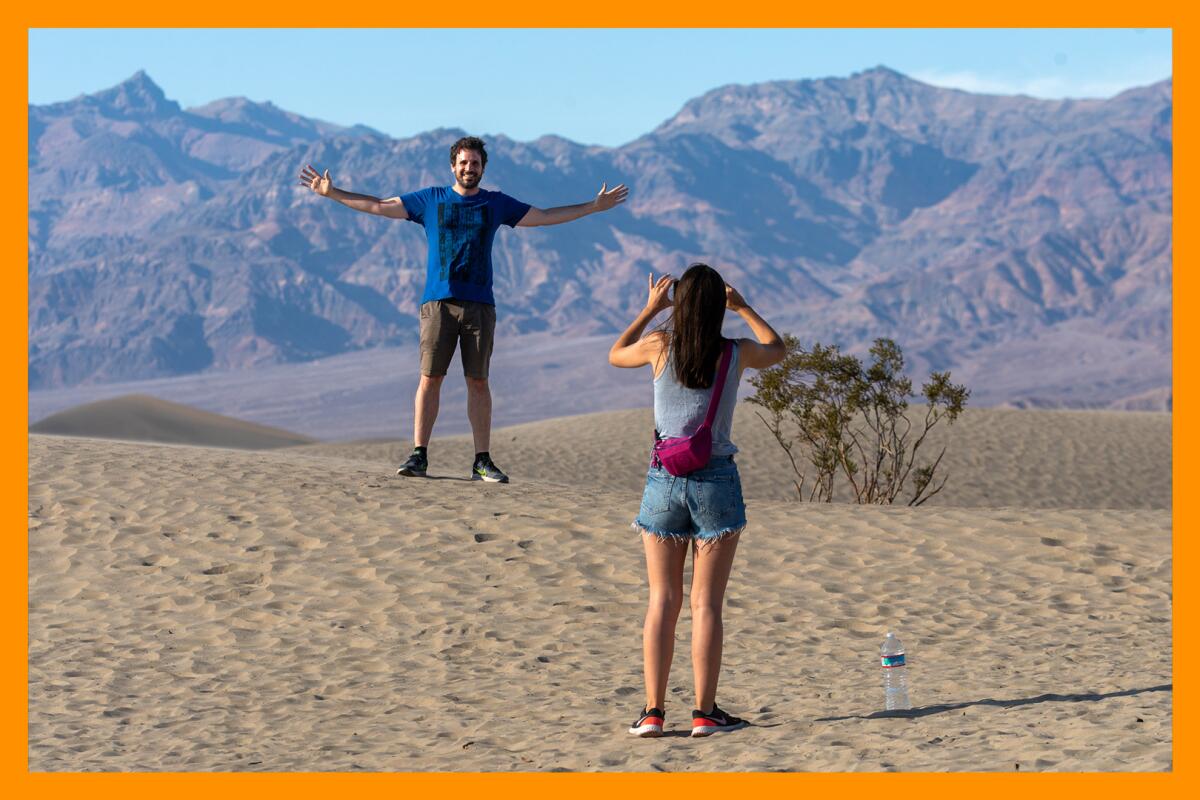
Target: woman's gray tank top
<point>679,411</point>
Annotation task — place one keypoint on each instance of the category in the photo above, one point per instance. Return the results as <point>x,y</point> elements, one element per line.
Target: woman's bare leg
<point>664,567</point>
<point>711,565</point>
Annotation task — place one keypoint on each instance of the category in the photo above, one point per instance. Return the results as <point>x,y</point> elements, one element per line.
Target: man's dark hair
<point>468,143</point>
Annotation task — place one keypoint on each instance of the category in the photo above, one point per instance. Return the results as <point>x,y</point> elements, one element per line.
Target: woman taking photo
<point>702,509</point>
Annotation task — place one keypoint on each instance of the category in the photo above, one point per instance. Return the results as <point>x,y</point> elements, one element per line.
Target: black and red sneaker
<point>649,724</point>
<point>715,721</point>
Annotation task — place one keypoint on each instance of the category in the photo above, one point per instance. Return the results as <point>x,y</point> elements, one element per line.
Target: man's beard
<point>469,181</point>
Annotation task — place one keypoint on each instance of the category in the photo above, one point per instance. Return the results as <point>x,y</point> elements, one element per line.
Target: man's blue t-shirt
<point>460,231</point>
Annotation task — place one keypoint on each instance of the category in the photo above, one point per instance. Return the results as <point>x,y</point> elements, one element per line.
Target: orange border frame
<point>545,13</point>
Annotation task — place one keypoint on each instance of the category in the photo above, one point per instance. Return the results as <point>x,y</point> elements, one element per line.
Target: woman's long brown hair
<point>695,326</point>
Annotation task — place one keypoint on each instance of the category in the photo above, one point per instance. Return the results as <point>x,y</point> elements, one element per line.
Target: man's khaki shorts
<point>445,323</point>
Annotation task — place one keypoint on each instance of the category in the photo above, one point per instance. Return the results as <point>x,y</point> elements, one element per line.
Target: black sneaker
<point>649,724</point>
<point>485,470</point>
<point>415,466</point>
<point>714,722</point>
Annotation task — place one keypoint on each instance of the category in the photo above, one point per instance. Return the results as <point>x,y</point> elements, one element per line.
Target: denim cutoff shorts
<point>705,505</point>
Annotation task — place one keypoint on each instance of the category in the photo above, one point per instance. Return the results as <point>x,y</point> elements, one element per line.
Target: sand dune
<point>143,418</point>
<point>303,609</point>
<point>994,457</point>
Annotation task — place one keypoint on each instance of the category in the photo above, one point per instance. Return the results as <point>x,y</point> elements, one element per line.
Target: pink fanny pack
<point>687,454</point>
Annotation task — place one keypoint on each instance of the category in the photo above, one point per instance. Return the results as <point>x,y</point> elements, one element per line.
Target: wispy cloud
<point>1048,87</point>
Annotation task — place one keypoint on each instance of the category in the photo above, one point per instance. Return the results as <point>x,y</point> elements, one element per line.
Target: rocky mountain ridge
<point>168,241</point>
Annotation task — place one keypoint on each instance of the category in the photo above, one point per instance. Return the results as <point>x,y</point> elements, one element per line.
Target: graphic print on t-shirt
<point>462,233</point>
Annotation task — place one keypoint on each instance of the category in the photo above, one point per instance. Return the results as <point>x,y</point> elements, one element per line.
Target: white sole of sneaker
<point>647,731</point>
<point>409,473</point>
<point>709,730</point>
<point>476,477</point>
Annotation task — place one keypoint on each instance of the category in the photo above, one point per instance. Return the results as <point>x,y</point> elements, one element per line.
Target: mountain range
<point>1023,243</point>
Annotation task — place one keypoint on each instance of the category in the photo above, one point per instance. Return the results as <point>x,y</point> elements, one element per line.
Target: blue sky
<point>592,86</point>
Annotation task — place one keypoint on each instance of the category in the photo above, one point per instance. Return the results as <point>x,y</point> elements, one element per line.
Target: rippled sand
<point>197,608</point>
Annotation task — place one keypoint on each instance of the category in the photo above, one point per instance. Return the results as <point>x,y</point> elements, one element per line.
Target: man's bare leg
<point>429,393</point>
<point>479,412</point>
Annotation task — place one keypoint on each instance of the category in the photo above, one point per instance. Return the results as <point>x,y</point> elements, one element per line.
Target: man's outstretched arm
<point>604,200</point>
<point>323,185</point>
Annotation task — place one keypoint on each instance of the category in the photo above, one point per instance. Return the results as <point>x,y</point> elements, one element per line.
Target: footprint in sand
<point>1063,538</point>
<point>485,537</point>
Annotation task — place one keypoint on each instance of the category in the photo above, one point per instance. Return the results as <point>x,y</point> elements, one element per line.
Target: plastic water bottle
<point>895,674</point>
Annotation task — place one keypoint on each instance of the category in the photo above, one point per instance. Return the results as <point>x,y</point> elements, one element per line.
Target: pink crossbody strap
<point>719,384</point>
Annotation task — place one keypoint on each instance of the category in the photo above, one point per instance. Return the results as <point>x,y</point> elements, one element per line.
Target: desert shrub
<point>852,420</point>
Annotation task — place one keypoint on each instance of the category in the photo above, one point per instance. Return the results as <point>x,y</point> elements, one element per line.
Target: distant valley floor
<point>542,376</point>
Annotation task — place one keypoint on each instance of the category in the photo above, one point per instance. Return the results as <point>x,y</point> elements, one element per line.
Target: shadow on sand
<point>926,711</point>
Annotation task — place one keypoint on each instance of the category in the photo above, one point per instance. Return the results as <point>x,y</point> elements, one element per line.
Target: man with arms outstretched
<point>460,224</point>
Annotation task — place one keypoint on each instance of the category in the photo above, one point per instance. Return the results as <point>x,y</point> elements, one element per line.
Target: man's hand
<point>660,293</point>
<point>607,198</point>
<point>733,300</point>
<point>321,184</point>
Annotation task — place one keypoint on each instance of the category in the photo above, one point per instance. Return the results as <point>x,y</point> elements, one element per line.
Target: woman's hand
<point>733,300</point>
<point>632,349</point>
<point>660,293</point>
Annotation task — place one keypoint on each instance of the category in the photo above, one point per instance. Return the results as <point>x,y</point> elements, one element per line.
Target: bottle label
<point>893,661</point>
